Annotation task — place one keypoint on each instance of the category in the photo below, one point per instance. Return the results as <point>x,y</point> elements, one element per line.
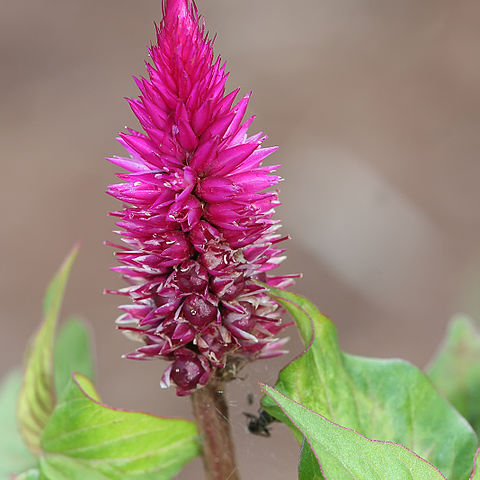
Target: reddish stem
<point>211,414</point>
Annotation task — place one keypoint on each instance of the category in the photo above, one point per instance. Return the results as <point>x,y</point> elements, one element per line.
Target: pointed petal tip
<point>177,10</point>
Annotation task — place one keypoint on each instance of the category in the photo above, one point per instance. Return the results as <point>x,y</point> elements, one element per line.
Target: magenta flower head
<point>197,219</point>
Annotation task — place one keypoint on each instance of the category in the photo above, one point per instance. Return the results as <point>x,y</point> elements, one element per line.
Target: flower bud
<point>199,311</point>
<point>192,277</point>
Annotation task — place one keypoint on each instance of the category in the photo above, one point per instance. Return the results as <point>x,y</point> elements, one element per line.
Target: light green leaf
<point>381,399</point>
<point>59,467</point>
<point>73,353</point>
<point>86,439</point>
<point>344,454</point>
<point>476,469</point>
<point>37,397</point>
<point>456,369</point>
<point>32,474</point>
<point>14,455</point>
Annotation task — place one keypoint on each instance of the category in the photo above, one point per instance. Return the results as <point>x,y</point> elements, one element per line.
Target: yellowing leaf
<point>37,396</point>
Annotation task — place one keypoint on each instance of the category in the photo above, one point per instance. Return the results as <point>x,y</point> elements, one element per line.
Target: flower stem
<point>211,414</point>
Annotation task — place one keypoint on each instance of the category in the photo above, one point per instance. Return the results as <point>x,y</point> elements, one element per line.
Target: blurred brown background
<point>376,107</point>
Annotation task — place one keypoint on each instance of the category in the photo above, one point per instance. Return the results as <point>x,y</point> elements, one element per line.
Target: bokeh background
<point>376,107</point>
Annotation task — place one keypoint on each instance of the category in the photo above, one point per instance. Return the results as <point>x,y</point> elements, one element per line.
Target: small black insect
<point>258,424</point>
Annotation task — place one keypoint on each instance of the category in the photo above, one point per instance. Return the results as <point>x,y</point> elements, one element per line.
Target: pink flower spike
<point>197,223</point>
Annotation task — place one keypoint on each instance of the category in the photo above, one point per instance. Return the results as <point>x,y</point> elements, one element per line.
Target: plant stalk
<point>211,414</point>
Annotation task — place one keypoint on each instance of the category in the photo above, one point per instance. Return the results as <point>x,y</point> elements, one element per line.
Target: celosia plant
<point>200,242</point>
<point>198,224</point>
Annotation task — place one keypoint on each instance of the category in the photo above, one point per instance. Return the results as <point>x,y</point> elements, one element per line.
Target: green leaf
<point>32,474</point>
<point>308,468</point>
<point>456,369</point>
<point>73,353</point>
<point>86,439</point>
<point>59,467</point>
<point>14,456</point>
<point>345,454</point>
<point>476,469</point>
<point>381,399</point>
<point>37,397</point>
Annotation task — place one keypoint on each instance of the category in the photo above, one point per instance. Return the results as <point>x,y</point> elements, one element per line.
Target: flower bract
<point>197,223</point>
